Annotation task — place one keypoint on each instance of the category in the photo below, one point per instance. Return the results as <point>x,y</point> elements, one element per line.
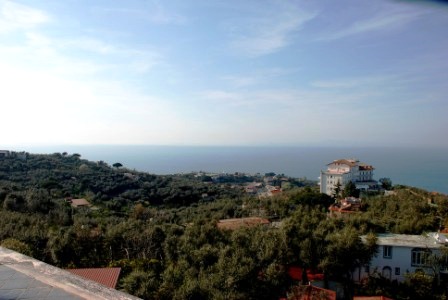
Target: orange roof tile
<point>104,276</point>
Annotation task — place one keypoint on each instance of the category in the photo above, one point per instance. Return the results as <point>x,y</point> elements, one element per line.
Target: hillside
<point>162,229</point>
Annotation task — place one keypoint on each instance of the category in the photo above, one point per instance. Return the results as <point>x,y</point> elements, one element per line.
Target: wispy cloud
<point>388,18</point>
<point>155,13</point>
<point>256,78</point>
<point>14,16</point>
<point>353,82</point>
<point>269,33</point>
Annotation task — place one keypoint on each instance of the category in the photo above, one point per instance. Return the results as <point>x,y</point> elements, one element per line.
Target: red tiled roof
<point>104,276</point>
<point>296,274</point>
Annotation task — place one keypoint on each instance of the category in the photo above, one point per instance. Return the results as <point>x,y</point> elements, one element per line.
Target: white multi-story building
<point>344,171</point>
<point>399,254</point>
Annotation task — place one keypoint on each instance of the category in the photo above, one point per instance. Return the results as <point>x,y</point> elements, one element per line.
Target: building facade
<point>4,153</point>
<point>399,254</point>
<point>343,171</point>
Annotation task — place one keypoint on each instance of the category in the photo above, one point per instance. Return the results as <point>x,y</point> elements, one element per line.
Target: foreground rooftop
<point>23,277</point>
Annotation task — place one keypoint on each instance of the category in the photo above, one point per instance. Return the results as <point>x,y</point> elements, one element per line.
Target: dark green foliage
<point>161,230</point>
<point>337,190</point>
<point>386,183</point>
<point>350,190</point>
<point>16,245</point>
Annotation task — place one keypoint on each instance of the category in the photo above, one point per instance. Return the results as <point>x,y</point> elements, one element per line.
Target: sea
<point>425,168</point>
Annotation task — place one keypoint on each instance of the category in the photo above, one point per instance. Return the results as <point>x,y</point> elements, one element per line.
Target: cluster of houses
<point>259,185</point>
<point>397,255</point>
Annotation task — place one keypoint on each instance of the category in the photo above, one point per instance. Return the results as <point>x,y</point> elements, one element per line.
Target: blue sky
<point>211,72</point>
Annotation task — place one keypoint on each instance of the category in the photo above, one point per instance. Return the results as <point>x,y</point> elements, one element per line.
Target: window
<point>420,257</point>
<point>387,272</point>
<point>387,251</point>
<point>397,271</point>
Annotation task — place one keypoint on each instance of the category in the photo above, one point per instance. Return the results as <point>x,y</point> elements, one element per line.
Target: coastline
<point>422,168</point>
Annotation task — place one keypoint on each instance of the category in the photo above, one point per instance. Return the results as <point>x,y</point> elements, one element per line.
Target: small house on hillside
<point>232,224</point>
<point>76,203</point>
<point>345,207</point>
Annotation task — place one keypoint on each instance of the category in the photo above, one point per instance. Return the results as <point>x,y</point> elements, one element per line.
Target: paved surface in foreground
<point>23,277</point>
<point>15,285</point>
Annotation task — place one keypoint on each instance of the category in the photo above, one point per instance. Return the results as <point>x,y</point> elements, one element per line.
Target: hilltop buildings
<point>342,171</point>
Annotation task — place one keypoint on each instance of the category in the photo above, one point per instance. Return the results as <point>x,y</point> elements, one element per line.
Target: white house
<point>4,153</point>
<point>399,254</point>
<point>344,171</point>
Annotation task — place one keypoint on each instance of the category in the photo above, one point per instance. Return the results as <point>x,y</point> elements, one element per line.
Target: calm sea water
<point>424,168</point>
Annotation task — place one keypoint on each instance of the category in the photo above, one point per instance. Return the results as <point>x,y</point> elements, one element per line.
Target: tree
<point>386,183</point>
<point>38,200</point>
<point>350,190</point>
<point>117,165</point>
<point>142,284</point>
<point>17,245</point>
<point>337,190</point>
<point>345,251</point>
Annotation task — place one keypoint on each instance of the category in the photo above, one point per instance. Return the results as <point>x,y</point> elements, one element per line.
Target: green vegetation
<point>161,230</point>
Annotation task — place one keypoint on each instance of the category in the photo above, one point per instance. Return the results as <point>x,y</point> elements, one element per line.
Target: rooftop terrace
<point>23,277</point>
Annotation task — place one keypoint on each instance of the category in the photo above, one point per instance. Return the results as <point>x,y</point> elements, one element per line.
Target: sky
<point>224,72</point>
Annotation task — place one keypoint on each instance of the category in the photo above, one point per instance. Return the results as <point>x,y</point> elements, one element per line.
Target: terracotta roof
<point>79,202</point>
<point>348,162</point>
<point>232,224</point>
<point>105,276</point>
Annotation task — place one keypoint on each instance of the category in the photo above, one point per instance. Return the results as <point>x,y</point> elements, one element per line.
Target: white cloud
<point>14,16</point>
<point>269,33</point>
<point>390,17</point>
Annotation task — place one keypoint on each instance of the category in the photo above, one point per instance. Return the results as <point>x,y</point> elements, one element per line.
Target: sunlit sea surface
<point>419,167</point>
